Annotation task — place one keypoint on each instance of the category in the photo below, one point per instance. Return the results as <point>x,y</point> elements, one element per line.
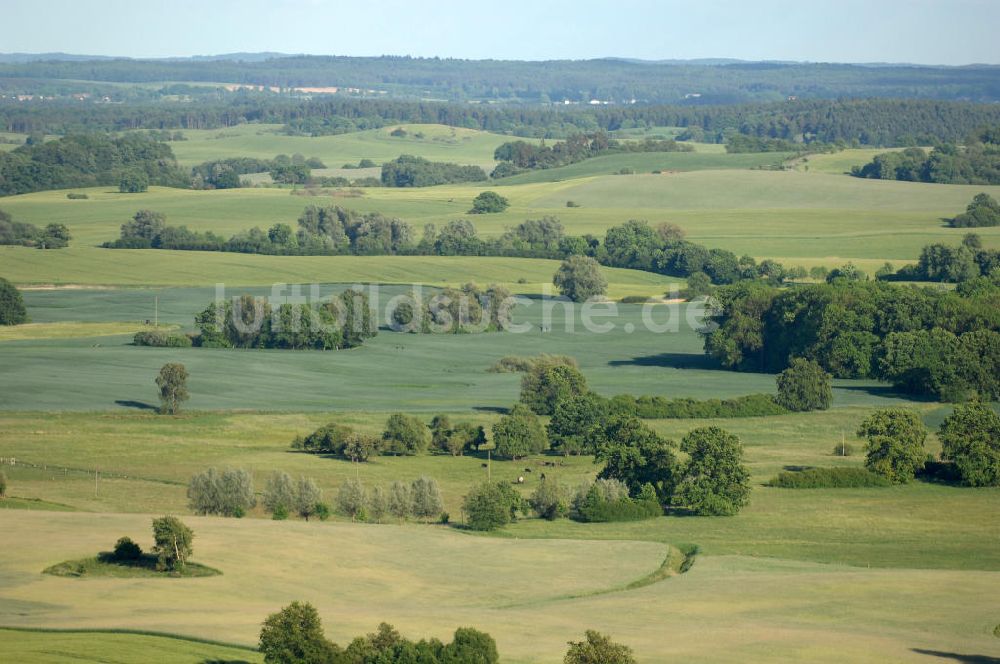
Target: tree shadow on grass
<point>886,391</point>
<point>500,410</point>
<point>671,361</point>
<point>958,657</point>
<point>140,405</point>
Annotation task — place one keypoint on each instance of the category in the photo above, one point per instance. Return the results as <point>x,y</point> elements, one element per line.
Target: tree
<point>351,498</point>
<point>470,646</point>
<point>895,443</point>
<point>549,500</point>
<point>126,550</point>
<point>489,202</point>
<point>579,278</point>
<point>3,484</point>
<point>804,386</point>
<point>307,497</point>
<point>598,649</point>
<point>425,495</point>
<point>491,505</point>
<point>572,418</point>
<point>698,284</point>
<point>519,433</point>
<point>715,481</point>
<point>970,438</point>
<point>547,383</point>
<point>172,382</point>
<point>172,543</point>
<point>133,181</point>
<point>294,635</point>
<point>229,493</point>
<point>360,447</point>
<point>12,310</point>
<point>378,504</point>
<point>400,505</point>
<point>634,454</point>
<point>405,434</point>
<point>279,493</point>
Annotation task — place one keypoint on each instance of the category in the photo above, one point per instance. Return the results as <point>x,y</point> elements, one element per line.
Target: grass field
<point>439,143</point>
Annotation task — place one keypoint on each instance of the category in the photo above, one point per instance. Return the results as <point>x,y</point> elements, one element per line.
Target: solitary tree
<point>426,496</point>
<point>970,438</point>
<point>598,649</point>
<point>12,310</point>
<point>715,481</point>
<point>580,278</point>
<point>172,543</point>
<point>519,433</point>
<point>803,386</point>
<point>295,634</point>
<point>489,202</point>
<point>351,498</point>
<point>172,382</point>
<point>895,443</point>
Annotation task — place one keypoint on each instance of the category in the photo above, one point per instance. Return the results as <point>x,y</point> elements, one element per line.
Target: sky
<point>951,32</point>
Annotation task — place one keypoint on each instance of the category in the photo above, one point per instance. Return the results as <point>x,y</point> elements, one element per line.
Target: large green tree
<point>491,505</point>
<point>970,438</point>
<point>12,310</point>
<point>405,434</point>
<point>598,649</point>
<point>172,543</point>
<point>895,443</point>
<point>579,278</point>
<point>549,382</point>
<point>804,386</point>
<point>294,635</point>
<point>519,433</point>
<point>172,381</point>
<point>715,481</point>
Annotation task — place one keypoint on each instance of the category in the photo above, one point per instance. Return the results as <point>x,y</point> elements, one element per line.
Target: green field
<point>905,573</point>
<point>440,143</point>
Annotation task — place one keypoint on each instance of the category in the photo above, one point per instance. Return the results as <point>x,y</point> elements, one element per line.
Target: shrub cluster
<point>608,500</point>
<point>827,478</point>
<point>161,338</point>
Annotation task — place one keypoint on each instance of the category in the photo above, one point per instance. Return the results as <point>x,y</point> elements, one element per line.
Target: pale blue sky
<point>918,31</point>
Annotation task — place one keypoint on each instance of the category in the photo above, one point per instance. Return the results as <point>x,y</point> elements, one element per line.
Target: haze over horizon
<point>928,32</point>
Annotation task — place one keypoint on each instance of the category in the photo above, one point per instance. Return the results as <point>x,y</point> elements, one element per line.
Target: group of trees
<point>403,435</point>
<point>970,442</point>
<point>225,173</point>
<point>982,211</point>
<point>230,493</point>
<point>412,171</point>
<point>53,236</point>
<point>519,156</point>
<point>951,263</point>
<point>343,321</point>
<point>420,499</point>
<point>976,163</point>
<point>172,546</point>
<point>88,160</point>
<point>295,635</point>
<point>926,341</point>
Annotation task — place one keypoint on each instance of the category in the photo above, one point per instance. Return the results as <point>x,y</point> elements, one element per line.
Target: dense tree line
<point>295,635</point>
<point>519,156</point>
<point>978,162</point>
<point>878,122</point>
<point>530,81</point>
<point>967,262</point>
<point>53,236</point>
<point>335,230</point>
<point>225,173</point>
<point>87,160</point>
<point>344,321</point>
<point>411,171</point>
<point>925,341</point>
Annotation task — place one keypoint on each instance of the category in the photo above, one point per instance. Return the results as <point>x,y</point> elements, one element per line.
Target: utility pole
<point>96,474</point>
<point>156,311</point>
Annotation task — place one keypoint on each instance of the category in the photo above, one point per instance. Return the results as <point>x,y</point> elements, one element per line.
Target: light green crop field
<point>395,370</point>
<point>439,143</point>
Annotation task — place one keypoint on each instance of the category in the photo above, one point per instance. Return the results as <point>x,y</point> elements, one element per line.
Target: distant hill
<point>611,80</point>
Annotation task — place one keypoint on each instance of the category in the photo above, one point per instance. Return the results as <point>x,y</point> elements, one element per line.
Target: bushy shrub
<point>843,450</point>
<point>162,339</point>
<point>126,550</point>
<point>827,478</point>
<point>608,500</point>
<point>657,407</point>
<point>77,197</point>
<point>492,505</point>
